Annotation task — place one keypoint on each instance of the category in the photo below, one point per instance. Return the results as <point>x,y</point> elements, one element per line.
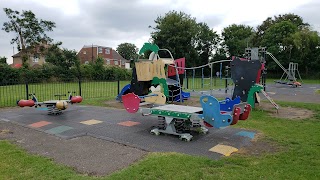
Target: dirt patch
<point>286,112</point>
<point>259,147</point>
<point>114,104</point>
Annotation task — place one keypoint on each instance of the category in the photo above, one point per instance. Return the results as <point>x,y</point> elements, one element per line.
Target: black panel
<point>244,74</point>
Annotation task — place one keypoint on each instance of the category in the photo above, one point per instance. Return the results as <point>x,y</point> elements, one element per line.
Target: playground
<point>154,114</point>
<point>67,138</point>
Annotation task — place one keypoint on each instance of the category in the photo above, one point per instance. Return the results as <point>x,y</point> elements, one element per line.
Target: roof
<point>17,55</point>
<point>91,46</point>
<point>116,55</point>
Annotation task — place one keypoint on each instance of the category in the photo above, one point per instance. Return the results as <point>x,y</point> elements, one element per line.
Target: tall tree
<point>29,30</point>
<point>207,41</point>
<point>290,17</point>
<point>278,40</point>
<point>307,43</point>
<point>63,58</point>
<point>127,51</point>
<point>176,31</point>
<point>237,38</point>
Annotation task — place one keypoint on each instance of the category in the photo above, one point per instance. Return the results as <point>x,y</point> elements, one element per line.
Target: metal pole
<point>27,90</point>
<point>202,78</point>
<point>80,89</point>
<point>118,86</point>
<point>211,88</point>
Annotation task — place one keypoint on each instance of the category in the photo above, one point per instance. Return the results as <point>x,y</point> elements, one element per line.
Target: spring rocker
<point>181,120</point>
<point>55,107</point>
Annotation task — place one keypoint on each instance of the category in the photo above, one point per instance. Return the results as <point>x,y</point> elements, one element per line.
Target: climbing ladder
<point>270,99</point>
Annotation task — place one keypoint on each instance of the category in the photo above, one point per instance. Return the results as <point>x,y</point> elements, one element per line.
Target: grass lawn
<point>298,143</point>
<point>46,91</point>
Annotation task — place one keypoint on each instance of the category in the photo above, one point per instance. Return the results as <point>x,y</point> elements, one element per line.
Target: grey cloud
<point>310,14</point>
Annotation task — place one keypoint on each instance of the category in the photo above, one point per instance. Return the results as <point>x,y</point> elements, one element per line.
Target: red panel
<point>246,112</point>
<point>180,63</point>
<point>236,115</point>
<point>259,74</point>
<point>24,103</point>
<point>131,102</point>
<point>76,99</point>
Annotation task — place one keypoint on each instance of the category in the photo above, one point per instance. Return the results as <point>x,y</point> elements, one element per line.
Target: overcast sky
<point>109,23</point>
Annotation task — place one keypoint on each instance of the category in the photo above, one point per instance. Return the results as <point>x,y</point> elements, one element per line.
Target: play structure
<point>182,120</point>
<point>55,107</point>
<point>149,76</point>
<point>248,75</point>
<point>150,91</point>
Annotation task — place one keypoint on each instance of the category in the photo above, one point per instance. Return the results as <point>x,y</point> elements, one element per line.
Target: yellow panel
<point>146,70</point>
<point>160,99</point>
<point>223,149</point>
<point>91,122</point>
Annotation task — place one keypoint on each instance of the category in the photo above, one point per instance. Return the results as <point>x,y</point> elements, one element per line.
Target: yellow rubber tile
<point>91,122</point>
<point>223,149</point>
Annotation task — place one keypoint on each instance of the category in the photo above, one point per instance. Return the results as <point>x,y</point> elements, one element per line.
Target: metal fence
<point>10,93</point>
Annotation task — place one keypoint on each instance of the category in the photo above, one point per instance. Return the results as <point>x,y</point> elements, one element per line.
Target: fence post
<point>226,91</point>
<point>187,83</point>
<point>118,86</point>
<point>27,90</point>
<point>80,93</point>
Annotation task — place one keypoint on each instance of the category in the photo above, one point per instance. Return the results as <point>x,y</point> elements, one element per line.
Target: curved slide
<point>125,90</point>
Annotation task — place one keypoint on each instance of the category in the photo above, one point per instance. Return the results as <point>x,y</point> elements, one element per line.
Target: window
<point>107,51</point>
<point>35,59</point>
<point>116,62</point>
<point>108,61</point>
<point>100,50</point>
<point>86,62</point>
<point>123,62</point>
<point>84,52</point>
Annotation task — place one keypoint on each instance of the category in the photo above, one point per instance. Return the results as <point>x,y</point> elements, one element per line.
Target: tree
<point>278,40</point>
<point>3,60</point>
<point>127,51</point>
<point>307,43</point>
<point>236,38</point>
<point>206,41</point>
<point>64,59</point>
<point>176,31</point>
<point>29,30</point>
<point>290,17</point>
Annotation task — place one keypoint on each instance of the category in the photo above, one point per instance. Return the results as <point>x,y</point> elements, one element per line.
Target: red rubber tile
<point>39,124</point>
<point>128,123</point>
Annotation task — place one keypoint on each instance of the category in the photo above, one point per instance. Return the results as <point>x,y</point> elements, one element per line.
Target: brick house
<point>36,58</point>
<point>111,57</point>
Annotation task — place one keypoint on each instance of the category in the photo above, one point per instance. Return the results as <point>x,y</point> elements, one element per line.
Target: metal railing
<point>10,93</point>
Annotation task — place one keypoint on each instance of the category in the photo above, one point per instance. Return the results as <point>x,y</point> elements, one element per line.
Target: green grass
<point>304,81</point>
<point>297,157</point>
<point>46,91</point>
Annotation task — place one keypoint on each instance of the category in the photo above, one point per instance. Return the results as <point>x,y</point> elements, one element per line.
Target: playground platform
<point>133,130</point>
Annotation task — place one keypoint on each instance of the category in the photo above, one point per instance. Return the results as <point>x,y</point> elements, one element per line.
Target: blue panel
<point>42,109</point>
<point>124,89</point>
<point>227,104</point>
<point>211,112</point>
<point>246,134</point>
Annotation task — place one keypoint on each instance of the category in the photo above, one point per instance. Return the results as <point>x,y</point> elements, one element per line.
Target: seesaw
<point>55,107</point>
<point>181,120</point>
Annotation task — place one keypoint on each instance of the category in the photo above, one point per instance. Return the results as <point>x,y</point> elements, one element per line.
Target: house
<point>89,53</point>
<point>36,58</point>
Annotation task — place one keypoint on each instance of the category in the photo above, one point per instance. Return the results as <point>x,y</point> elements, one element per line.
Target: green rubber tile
<point>58,130</point>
